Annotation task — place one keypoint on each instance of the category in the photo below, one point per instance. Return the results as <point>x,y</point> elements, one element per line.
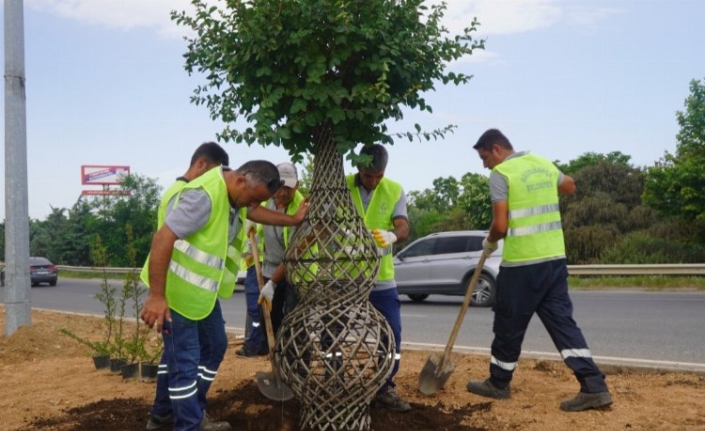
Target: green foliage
<point>290,67</point>
<point>137,208</point>
<point>674,185</point>
<point>475,200</point>
<point>66,235</point>
<point>451,205</point>
<point>592,159</point>
<point>642,248</point>
<point>606,206</point>
<point>306,175</point>
<point>106,296</point>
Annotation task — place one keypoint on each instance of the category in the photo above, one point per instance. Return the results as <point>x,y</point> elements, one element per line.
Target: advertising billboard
<point>103,174</point>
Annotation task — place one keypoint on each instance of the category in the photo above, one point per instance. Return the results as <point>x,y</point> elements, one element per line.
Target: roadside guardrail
<point>596,270</point>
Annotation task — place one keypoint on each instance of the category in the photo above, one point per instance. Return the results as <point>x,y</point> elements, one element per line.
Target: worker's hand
<point>250,225</point>
<point>488,247</point>
<point>384,238</point>
<point>155,311</point>
<point>266,295</point>
<point>351,247</point>
<point>301,211</point>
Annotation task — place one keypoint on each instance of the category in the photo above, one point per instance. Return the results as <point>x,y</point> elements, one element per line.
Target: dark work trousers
<point>388,304</point>
<point>540,288</point>
<point>283,303</point>
<point>193,351</point>
<point>255,340</point>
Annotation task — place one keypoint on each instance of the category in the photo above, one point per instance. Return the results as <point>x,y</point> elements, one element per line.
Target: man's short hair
<point>379,155</point>
<point>490,138</point>
<point>263,172</point>
<point>211,151</point>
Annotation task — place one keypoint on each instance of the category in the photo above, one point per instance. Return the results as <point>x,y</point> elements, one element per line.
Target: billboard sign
<point>105,193</point>
<point>103,174</point>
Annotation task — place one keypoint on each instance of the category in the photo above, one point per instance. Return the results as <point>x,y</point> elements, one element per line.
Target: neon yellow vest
<point>534,230</point>
<point>379,216</point>
<point>200,269</point>
<point>172,191</point>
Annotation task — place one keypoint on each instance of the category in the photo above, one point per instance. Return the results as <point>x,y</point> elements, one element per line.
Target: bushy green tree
<point>674,186</point>
<point>606,206</point>
<point>291,68</point>
<point>592,159</point>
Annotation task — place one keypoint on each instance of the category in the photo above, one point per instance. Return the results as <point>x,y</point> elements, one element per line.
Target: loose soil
<point>49,383</point>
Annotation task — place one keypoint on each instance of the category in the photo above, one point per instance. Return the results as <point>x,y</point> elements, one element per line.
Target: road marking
<point>607,360</point>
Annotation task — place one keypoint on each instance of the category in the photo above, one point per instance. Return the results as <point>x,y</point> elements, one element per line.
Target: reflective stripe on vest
<point>172,191</point>
<point>379,216</point>
<point>534,227</point>
<point>200,269</point>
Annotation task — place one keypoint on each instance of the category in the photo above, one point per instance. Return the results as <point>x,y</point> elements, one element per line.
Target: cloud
<point>496,17</point>
<point>502,17</point>
<point>119,14</point>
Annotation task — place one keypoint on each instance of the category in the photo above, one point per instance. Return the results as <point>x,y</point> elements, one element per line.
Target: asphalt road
<point>654,329</point>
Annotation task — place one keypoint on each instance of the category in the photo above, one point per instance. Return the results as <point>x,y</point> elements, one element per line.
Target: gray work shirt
<point>399,211</point>
<point>192,211</point>
<point>274,248</point>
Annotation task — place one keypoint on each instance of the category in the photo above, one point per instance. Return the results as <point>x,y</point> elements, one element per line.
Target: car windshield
<point>39,261</point>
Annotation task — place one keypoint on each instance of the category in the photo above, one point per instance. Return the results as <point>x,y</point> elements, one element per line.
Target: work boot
<point>487,389</point>
<point>585,401</point>
<point>208,425</point>
<point>156,421</point>
<point>245,352</point>
<point>392,401</point>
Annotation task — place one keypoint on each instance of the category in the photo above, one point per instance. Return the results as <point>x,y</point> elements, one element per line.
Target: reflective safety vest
<point>534,222</point>
<point>379,216</point>
<point>172,191</point>
<point>202,267</point>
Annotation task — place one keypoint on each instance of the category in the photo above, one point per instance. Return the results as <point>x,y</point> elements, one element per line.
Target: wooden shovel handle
<point>463,308</point>
<point>260,282</point>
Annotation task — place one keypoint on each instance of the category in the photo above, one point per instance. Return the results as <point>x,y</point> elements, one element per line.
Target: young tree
<point>321,77</point>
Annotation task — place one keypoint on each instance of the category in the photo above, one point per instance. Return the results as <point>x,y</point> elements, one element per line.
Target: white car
<point>443,264</point>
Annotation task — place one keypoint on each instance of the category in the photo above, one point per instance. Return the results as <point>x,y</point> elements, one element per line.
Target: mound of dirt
<point>50,384</point>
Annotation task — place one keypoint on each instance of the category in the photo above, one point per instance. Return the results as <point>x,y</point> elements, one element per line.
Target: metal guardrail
<point>597,270</point>
<point>656,269</point>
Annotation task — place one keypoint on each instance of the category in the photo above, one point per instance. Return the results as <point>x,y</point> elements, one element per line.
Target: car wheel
<point>52,283</point>
<point>417,298</point>
<point>484,294</point>
<point>35,284</point>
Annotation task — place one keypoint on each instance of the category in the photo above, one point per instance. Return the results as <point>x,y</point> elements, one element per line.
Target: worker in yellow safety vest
<point>533,276</point>
<point>191,265</point>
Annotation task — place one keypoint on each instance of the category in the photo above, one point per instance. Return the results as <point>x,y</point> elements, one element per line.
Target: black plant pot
<point>116,363</point>
<point>130,371</point>
<point>101,361</point>
<point>148,371</point>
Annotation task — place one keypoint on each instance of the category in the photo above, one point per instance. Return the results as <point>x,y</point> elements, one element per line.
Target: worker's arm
<point>498,229</point>
<point>156,308</point>
<point>264,215</point>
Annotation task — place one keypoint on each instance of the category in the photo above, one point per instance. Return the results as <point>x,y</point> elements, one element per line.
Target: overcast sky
<point>106,86</point>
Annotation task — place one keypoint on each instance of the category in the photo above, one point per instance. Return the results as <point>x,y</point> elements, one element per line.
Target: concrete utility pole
<point>18,310</point>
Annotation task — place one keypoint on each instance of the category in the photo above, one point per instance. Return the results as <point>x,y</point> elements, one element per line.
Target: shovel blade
<point>435,374</point>
<point>272,386</point>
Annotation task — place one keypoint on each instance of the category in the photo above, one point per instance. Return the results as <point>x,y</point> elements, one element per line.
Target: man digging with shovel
<point>533,277</point>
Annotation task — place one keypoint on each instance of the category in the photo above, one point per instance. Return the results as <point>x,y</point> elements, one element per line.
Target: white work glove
<point>384,238</point>
<point>250,225</point>
<point>488,247</point>
<point>266,295</point>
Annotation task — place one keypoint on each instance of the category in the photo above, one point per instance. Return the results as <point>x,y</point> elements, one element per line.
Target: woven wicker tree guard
<point>335,350</point>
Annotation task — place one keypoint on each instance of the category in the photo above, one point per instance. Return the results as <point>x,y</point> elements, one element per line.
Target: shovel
<point>269,383</point>
<point>437,370</point>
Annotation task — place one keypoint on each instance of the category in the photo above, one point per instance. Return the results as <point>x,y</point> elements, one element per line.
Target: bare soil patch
<point>49,383</point>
